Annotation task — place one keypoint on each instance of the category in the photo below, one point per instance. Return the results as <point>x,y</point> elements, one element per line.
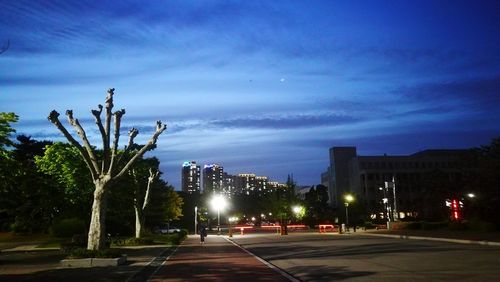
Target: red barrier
<point>278,227</point>
<point>242,228</point>
<point>323,228</point>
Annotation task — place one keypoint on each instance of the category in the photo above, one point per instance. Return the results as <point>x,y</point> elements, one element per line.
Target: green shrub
<point>77,241</point>
<point>84,253</point>
<point>183,233</point>
<point>68,227</point>
<point>139,241</point>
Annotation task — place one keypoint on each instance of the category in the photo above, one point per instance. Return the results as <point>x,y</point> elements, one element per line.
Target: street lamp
<point>296,210</point>
<point>218,202</point>
<point>348,199</point>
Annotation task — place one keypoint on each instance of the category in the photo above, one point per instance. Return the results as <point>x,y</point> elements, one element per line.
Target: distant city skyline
<point>259,86</point>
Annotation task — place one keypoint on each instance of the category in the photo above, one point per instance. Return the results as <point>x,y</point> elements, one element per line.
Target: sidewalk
<point>217,260</point>
<point>26,263</point>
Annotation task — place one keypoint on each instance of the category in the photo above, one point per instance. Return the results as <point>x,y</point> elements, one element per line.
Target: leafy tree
<point>26,149</point>
<point>166,204</point>
<point>280,203</point>
<point>110,166</point>
<point>483,179</point>
<point>190,201</point>
<point>318,209</point>
<point>438,186</point>
<point>27,197</point>
<point>8,169</point>
<point>63,164</point>
<point>6,130</point>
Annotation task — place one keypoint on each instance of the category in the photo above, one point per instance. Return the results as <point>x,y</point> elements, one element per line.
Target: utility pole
<point>396,216</point>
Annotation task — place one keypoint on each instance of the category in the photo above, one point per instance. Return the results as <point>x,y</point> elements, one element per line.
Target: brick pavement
<point>217,260</point>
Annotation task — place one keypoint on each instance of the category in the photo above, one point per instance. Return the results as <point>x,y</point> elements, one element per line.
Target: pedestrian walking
<point>203,234</point>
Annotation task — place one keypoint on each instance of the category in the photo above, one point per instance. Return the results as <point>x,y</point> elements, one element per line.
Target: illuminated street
<point>320,257</point>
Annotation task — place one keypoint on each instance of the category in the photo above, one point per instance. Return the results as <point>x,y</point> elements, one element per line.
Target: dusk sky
<point>261,87</point>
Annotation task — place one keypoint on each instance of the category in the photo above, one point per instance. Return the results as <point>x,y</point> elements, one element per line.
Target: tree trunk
<point>97,229</point>
<point>139,222</point>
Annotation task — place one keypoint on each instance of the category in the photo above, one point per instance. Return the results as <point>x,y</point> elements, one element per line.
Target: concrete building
<point>190,175</point>
<point>400,180</point>
<point>301,191</point>
<point>274,185</point>
<point>245,182</point>
<point>213,175</point>
<point>261,185</point>
<point>229,185</point>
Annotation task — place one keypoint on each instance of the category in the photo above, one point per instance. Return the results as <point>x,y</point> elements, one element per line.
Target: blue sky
<point>260,86</point>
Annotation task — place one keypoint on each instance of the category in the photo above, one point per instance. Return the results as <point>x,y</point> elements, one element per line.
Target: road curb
<point>459,241</point>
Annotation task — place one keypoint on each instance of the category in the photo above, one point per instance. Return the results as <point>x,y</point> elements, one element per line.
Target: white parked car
<point>171,230</point>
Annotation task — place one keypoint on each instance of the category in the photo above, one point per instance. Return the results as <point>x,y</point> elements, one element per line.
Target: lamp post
<point>348,199</point>
<point>195,220</point>
<point>219,203</point>
<point>394,210</point>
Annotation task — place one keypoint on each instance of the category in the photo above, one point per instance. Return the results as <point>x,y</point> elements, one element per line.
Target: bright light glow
<point>253,218</point>
<point>218,203</point>
<point>233,219</point>
<point>471,195</point>
<point>296,209</point>
<point>348,198</point>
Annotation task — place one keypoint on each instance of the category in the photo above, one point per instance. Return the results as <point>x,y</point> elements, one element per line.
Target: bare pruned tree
<point>111,165</point>
<point>140,204</point>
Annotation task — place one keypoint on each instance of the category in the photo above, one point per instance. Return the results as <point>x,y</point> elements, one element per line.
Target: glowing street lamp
<point>348,198</point>
<point>296,210</point>
<point>218,203</point>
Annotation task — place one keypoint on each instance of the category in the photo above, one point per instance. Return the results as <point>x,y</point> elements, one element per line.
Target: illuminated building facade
<point>213,175</point>
<point>190,177</point>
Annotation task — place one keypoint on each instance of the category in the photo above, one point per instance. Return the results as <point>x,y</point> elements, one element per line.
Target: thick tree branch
<point>81,132</point>
<point>54,118</point>
<point>118,118</point>
<point>132,133</point>
<point>149,145</point>
<point>151,178</point>
<point>107,124</point>
<point>98,122</point>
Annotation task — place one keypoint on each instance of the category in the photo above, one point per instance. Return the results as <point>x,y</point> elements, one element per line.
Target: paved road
<point>216,260</point>
<point>327,257</point>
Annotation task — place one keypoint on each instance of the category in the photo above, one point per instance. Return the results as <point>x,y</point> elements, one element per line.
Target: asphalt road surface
<point>353,257</point>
